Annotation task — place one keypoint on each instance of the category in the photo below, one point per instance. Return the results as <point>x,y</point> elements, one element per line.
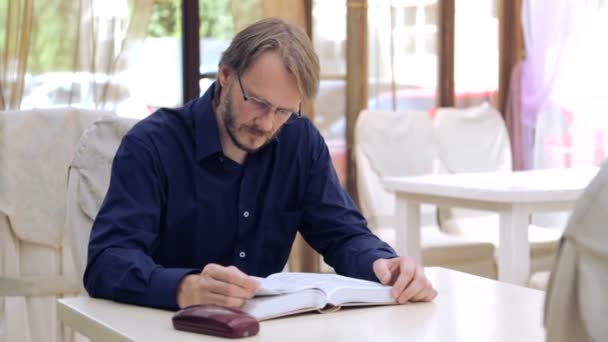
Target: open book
<point>288,293</point>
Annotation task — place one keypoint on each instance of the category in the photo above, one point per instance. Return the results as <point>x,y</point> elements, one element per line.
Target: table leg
<point>408,228</point>
<point>514,247</point>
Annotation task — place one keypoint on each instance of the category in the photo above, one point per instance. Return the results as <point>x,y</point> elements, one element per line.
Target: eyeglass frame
<point>269,106</point>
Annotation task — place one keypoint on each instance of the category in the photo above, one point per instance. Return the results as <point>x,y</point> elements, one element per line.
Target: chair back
<point>390,143</point>
<point>36,267</point>
<point>473,139</point>
<point>576,303</point>
<point>88,181</point>
<point>36,147</point>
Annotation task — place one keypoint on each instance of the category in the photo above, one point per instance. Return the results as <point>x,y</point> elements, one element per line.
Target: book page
<point>267,307</point>
<point>338,289</point>
<point>275,285</point>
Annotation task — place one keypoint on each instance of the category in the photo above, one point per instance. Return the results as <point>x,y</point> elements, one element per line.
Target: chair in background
<point>36,268</point>
<point>88,181</point>
<point>475,139</point>
<point>576,303</point>
<point>403,144</point>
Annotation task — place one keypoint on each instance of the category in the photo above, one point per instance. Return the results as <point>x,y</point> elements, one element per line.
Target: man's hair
<point>273,34</point>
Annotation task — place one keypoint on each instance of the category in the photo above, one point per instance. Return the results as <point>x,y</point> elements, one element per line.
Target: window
<point>215,32</point>
<point>402,54</point>
<point>475,52</point>
<point>329,39</point>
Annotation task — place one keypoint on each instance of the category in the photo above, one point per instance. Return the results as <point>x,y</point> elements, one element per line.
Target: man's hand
<point>219,285</point>
<point>407,278</point>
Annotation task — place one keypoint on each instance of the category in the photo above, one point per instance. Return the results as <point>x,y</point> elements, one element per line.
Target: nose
<point>265,122</point>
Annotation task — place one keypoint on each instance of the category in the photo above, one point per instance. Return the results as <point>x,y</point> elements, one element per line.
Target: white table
<point>513,195</point>
<point>468,308</point>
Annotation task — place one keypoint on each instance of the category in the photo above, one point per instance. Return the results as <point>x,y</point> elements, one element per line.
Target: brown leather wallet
<point>216,320</point>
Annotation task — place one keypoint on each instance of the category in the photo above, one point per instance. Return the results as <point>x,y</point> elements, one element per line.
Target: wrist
<point>185,294</point>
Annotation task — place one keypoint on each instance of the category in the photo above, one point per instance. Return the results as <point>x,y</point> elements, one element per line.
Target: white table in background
<point>468,308</point>
<point>513,195</point>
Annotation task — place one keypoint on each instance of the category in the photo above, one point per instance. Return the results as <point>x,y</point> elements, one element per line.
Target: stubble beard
<point>229,119</point>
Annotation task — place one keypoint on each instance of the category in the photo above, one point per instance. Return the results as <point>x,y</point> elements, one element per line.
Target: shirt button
<point>242,254</point>
<point>246,214</point>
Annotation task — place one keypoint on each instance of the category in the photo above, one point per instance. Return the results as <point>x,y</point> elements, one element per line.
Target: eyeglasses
<point>261,107</point>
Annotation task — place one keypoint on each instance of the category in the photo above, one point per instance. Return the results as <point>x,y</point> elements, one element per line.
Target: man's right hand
<point>219,285</point>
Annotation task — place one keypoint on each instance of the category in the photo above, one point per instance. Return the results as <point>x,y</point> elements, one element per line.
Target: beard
<point>232,128</point>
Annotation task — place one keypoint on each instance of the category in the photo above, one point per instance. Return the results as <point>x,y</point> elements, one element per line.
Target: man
<point>223,184</point>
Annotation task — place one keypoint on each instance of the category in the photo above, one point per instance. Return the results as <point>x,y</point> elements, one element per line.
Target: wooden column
<point>445,61</point>
<point>356,80</point>
<point>511,47</point>
<point>190,51</point>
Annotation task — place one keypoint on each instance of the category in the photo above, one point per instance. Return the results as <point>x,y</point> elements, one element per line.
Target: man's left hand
<point>407,278</point>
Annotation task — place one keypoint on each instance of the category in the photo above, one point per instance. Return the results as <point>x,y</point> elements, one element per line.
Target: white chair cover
<point>88,181</point>
<point>576,304</point>
<point>36,147</point>
<point>475,139</point>
<point>403,144</point>
<point>390,144</point>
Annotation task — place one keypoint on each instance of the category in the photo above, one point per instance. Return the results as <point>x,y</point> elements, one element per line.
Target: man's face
<point>272,96</point>
<point>247,136</point>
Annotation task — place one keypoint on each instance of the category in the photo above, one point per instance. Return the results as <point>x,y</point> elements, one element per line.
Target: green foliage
<point>3,15</point>
<point>215,19</point>
<point>166,19</point>
<point>54,38</point>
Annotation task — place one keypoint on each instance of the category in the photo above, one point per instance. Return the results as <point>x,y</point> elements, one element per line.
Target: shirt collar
<point>205,126</point>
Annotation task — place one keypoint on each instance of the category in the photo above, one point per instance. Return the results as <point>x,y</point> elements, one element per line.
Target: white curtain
<point>69,52</point>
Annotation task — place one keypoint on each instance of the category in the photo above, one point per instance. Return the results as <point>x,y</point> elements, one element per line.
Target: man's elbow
<point>92,283</point>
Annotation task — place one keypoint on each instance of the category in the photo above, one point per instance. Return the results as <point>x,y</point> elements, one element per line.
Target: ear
<point>224,75</point>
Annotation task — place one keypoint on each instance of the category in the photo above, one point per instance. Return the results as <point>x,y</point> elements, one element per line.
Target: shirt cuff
<point>162,291</point>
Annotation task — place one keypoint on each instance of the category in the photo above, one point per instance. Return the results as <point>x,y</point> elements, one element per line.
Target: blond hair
<point>273,34</point>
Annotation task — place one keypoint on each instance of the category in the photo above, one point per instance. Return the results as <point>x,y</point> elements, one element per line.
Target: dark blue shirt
<point>176,203</point>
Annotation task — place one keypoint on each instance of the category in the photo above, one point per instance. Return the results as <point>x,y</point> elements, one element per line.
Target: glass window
<point>161,56</point>
<point>475,52</point>
<point>99,61</point>
<point>329,39</point>
<point>216,31</point>
<point>402,54</point>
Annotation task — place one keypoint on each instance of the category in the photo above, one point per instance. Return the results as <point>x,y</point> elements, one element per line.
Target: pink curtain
<point>563,109</point>
<point>546,27</point>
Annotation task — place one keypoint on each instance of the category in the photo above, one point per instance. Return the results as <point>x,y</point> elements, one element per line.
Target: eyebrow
<point>259,98</point>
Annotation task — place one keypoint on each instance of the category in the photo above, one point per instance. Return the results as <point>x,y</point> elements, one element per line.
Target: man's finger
<point>221,300</point>
<point>382,271</point>
<point>426,295</point>
<point>418,283</point>
<point>407,269</point>
<point>233,275</point>
<point>223,288</point>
